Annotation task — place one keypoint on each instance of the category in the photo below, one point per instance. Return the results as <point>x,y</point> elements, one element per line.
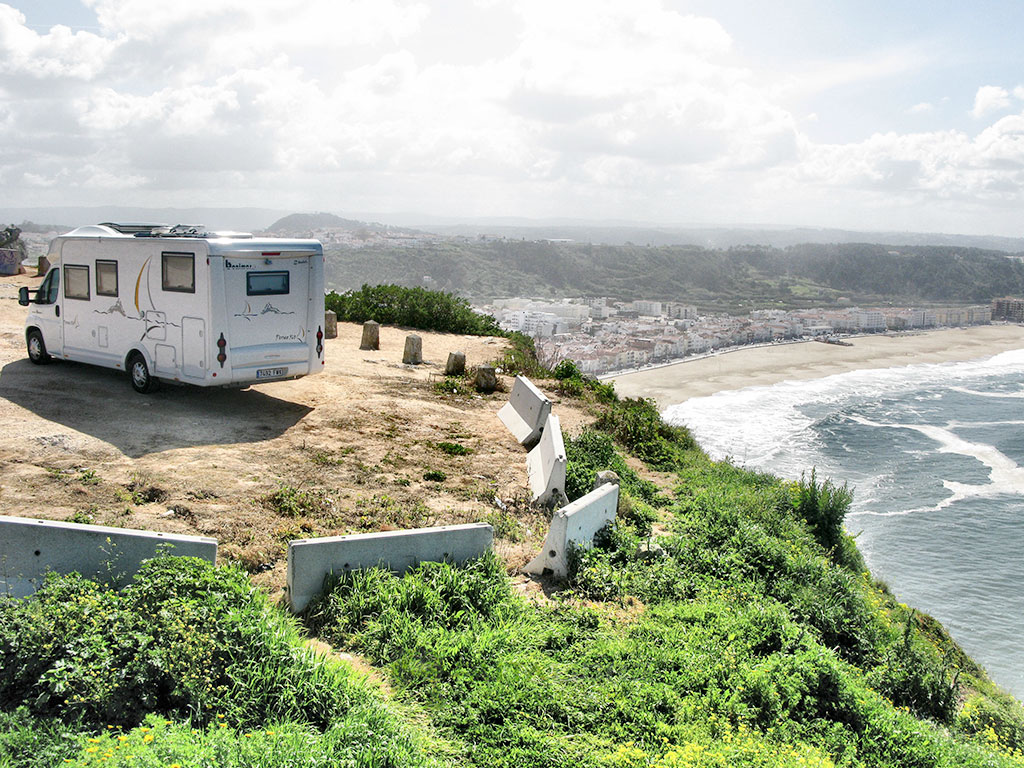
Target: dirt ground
<point>340,452</point>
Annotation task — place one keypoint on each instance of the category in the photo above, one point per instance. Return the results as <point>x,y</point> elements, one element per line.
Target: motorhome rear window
<point>76,282</point>
<point>106,278</point>
<point>178,271</point>
<point>266,283</point>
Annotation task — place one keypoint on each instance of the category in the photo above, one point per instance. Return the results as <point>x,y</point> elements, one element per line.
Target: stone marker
<point>485,379</point>
<point>604,477</point>
<point>413,354</point>
<point>330,324</point>
<point>371,335</point>
<point>44,266</point>
<point>456,364</point>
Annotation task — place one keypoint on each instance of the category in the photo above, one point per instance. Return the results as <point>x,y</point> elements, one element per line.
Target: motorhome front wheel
<point>37,348</point>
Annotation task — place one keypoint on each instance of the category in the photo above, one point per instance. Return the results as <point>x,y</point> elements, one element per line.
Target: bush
<point>185,639</point>
<point>824,507</point>
<point>592,452</point>
<point>520,359</point>
<point>636,424</point>
<point>411,308</point>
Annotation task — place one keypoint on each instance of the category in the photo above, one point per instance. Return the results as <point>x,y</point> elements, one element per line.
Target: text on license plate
<point>270,373</point>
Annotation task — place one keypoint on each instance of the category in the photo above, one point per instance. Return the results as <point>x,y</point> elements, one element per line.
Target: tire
<point>37,348</point>
<point>142,381</point>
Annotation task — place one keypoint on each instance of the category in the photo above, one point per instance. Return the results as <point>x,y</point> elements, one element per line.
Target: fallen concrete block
<point>575,525</point>
<point>525,412</point>
<point>310,561</point>
<point>29,548</point>
<point>545,465</point>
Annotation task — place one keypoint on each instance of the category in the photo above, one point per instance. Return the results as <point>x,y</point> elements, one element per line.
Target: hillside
<point>340,452</point>
<point>726,620</point>
<point>736,279</point>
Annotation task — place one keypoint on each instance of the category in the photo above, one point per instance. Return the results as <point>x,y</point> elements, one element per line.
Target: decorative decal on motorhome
<point>268,309</point>
<point>115,309</point>
<point>156,325</point>
<point>138,283</point>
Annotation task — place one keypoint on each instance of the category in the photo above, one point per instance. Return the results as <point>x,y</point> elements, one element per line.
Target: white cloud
<point>60,53</point>
<point>990,98</point>
<point>582,107</point>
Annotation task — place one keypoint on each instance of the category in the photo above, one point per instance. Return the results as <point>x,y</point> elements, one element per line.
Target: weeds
<point>453,449</point>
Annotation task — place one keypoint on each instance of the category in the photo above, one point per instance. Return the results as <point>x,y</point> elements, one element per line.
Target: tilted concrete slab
<point>525,412</point>
<point>546,463</point>
<point>29,548</point>
<point>310,561</point>
<point>575,525</point>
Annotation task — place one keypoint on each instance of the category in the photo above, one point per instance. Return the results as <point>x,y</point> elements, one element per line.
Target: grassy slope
<point>739,630</point>
<point>748,634</point>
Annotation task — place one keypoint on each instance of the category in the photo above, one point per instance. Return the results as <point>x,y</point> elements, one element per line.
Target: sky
<point>898,115</point>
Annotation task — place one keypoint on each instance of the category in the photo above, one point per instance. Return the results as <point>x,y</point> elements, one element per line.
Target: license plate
<point>270,373</point>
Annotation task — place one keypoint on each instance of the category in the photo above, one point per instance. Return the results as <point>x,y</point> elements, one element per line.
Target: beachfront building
<point>1008,308</point>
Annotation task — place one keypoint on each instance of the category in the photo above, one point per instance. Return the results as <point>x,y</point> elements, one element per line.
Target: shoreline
<point>767,364</point>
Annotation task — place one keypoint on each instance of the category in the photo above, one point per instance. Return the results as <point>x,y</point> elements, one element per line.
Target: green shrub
<point>824,507</point>
<point>411,308</point>
<point>520,359</point>
<point>592,452</point>
<point>567,369</point>
<point>637,425</point>
<point>435,476</point>
<point>453,449</point>
<point>185,639</point>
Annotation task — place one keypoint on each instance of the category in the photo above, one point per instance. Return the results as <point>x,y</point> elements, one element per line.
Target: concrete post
<point>456,364</point>
<point>371,335</point>
<point>330,324</point>
<point>413,354</point>
<point>44,266</point>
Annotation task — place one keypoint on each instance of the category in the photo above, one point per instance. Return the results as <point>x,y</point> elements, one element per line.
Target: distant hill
<point>303,224</point>
<point>716,237</point>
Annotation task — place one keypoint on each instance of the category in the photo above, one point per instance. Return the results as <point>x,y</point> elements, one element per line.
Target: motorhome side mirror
<point>23,296</point>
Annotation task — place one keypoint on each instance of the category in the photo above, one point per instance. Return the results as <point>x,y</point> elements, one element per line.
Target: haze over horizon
<point>905,116</point>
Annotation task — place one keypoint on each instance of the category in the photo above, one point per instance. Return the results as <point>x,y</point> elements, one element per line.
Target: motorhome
<point>180,304</point>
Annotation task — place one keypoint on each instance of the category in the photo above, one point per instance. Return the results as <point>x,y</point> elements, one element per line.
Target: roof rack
<point>132,228</point>
<point>167,230</point>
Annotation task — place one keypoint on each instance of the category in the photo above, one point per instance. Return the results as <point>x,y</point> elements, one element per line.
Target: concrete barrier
<point>29,548</point>
<point>525,412</point>
<point>310,561</point>
<point>545,465</point>
<point>575,526</point>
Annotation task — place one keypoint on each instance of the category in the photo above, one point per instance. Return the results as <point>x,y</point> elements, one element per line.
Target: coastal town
<point>603,335</point>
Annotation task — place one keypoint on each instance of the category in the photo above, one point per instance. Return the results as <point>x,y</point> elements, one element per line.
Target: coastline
<point>770,364</point>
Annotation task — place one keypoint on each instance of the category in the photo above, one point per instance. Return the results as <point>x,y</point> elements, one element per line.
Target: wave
<point>762,425</point>
<point>1006,477</point>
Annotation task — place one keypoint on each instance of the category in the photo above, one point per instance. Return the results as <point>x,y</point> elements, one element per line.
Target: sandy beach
<point>763,366</point>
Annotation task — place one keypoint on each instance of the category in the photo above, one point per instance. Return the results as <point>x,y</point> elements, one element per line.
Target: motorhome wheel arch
<point>180,304</point>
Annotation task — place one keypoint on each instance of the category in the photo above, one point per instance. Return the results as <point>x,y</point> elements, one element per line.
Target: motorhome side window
<point>179,272</point>
<point>106,278</point>
<point>266,283</point>
<point>76,282</point>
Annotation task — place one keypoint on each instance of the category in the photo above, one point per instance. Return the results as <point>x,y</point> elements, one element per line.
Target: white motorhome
<point>180,304</point>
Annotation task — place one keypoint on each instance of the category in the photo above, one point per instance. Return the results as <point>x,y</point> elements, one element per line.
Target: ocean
<point>934,455</point>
